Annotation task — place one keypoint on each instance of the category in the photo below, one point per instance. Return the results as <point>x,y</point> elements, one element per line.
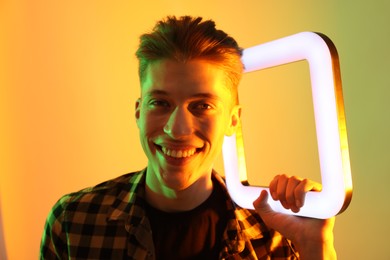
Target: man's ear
<point>137,110</point>
<point>235,116</point>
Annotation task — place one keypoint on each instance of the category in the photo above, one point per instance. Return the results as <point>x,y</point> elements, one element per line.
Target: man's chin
<point>175,181</point>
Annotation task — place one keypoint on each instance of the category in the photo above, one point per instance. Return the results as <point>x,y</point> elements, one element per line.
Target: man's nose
<point>179,123</point>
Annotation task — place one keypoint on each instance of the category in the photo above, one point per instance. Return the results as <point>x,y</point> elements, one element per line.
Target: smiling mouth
<point>178,153</point>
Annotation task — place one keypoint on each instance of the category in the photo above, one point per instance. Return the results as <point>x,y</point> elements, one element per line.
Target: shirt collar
<point>129,207</point>
<point>240,227</point>
<point>129,201</point>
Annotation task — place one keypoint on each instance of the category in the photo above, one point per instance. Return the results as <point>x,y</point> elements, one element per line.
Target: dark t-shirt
<point>194,234</point>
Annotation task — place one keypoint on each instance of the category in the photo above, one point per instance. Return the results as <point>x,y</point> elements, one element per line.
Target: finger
<point>304,187</point>
<point>262,207</point>
<point>273,187</point>
<point>291,192</point>
<point>281,190</point>
<point>315,186</point>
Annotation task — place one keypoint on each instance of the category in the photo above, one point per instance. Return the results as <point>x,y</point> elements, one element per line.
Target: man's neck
<point>170,200</point>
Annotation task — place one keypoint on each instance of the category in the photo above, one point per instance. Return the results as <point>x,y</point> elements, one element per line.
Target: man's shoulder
<point>125,181</point>
<point>120,182</point>
<point>102,194</point>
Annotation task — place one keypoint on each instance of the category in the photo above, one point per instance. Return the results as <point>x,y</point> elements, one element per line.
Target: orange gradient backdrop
<point>68,83</point>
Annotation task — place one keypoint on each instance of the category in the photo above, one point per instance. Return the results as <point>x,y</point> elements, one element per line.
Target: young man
<point>178,207</point>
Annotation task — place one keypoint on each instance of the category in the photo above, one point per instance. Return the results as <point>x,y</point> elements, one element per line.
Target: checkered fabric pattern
<point>108,221</point>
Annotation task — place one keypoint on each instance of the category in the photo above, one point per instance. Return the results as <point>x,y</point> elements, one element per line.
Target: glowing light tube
<point>322,57</point>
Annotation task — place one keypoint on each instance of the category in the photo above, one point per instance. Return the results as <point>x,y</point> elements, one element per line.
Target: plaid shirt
<point>108,221</point>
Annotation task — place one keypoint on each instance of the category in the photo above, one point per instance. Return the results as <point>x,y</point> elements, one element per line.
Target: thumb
<point>287,225</point>
<point>263,208</point>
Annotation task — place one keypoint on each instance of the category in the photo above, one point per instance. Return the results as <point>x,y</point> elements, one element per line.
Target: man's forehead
<point>167,73</point>
<point>166,93</point>
<point>161,68</point>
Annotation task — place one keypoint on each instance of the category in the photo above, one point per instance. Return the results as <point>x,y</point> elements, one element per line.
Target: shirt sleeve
<point>275,246</point>
<point>53,243</point>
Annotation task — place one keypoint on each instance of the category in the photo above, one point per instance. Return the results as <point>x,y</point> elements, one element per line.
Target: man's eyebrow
<point>206,95</point>
<point>156,92</point>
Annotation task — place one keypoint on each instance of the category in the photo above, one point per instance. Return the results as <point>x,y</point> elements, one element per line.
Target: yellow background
<point>68,83</point>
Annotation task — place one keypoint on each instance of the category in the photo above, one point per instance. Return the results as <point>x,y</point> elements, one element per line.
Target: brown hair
<point>187,38</point>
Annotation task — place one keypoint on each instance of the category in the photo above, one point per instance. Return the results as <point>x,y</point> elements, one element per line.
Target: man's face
<point>184,112</point>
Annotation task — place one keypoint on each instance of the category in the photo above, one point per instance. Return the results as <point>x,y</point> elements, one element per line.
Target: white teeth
<point>178,153</point>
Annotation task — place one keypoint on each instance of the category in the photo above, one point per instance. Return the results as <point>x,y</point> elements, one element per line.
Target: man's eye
<point>202,106</point>
<point>158,103</point>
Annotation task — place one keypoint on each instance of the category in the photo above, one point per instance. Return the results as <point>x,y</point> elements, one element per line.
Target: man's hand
<point>312,237</point>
